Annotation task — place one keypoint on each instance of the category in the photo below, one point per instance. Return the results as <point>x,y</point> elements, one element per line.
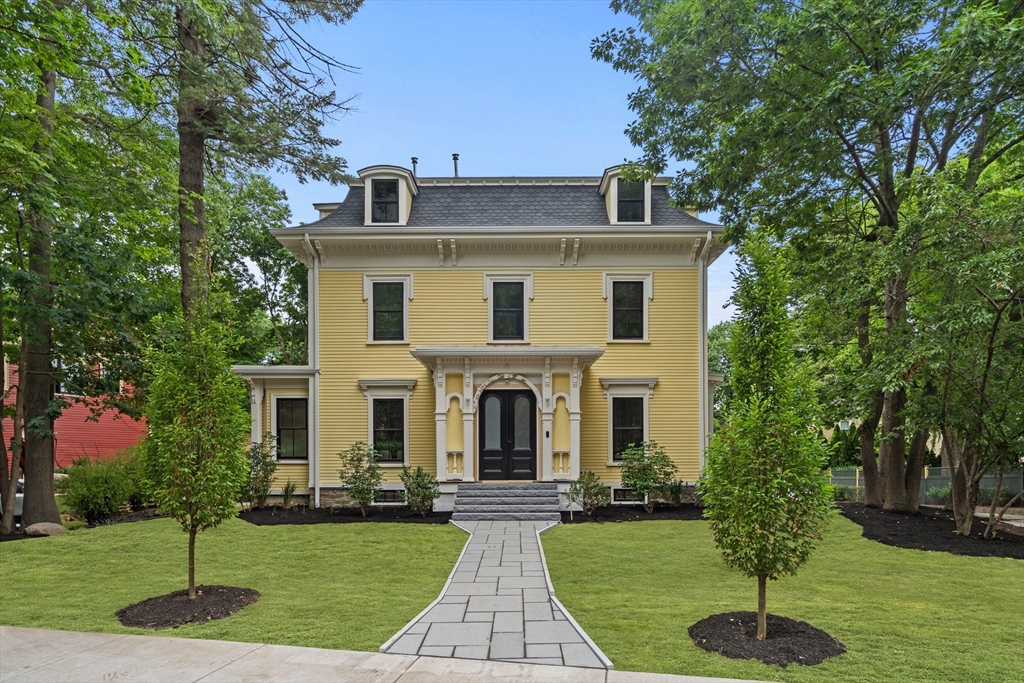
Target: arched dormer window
<point>389,191</point>
<point>627,202</point>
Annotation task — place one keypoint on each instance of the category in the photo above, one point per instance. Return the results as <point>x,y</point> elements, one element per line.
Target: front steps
<point>535,502</point>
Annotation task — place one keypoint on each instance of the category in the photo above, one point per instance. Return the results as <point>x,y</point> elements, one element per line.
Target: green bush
<point>262,466</point>
<point>986,493</point>
<point>646,468</point>
<point>287,493</point>
<point>421,488</point>
<point>673,493</point>
<point>846,493</point>
<point>96,490</point>
<point>589,493</point>
<point>128,460</point>
<point>360,474</point>
<point>939,496</point>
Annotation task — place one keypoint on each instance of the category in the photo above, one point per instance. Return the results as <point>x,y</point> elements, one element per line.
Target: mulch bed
<point>931,529</point>
<point>734,634</point>
<point>635,513</point>
<point>304,515</point>
<point>175,609</point>
<point>16,537</point>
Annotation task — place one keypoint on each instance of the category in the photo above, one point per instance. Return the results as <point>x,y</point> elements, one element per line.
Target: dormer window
<point>631,201</point>
<point>385,201</point>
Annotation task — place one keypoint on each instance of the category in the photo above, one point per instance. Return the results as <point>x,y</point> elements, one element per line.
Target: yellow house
<point>494,330</point>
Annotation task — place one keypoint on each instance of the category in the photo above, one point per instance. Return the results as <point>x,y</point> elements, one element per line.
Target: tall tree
<point>764,493</point>
<point>791,110</point>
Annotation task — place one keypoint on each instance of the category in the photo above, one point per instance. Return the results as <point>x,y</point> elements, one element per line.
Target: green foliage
<point>673,491</point>
<point>195,456</point>
<point>286,494</point>
<point>96,490</point>
<point>421,488</point>
<point>844,448</point>
<point>718,361</point>
<point>128,460</point>
<point>360,474</point>
<point>763,489</point>
<point>262,466</point>
<point>646,469</point>
<point>939,495</point>
<point>841,494</point>
<point>589,492</point>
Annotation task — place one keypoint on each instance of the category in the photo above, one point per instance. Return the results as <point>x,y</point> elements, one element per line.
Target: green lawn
<point>347,586</point>
<point>904,615</point>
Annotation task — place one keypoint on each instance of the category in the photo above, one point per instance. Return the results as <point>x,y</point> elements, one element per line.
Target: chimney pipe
<point>455,158</point>
<point>414,160</point>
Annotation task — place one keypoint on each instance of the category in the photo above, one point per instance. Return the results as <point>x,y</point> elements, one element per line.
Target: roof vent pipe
<point>414,160</point>
<point>455,158</point>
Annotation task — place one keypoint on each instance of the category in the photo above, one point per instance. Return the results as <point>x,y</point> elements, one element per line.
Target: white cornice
<point>502,352</point>
<point>609,382</point>
<point>386,383</point>
<point>270,371</point>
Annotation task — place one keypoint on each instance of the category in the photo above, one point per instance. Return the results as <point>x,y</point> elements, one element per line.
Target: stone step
<point>461,501</point>
<point>490,492</point>
<point>512,509</point>
<point>506,516</point>
<point>532,486</point>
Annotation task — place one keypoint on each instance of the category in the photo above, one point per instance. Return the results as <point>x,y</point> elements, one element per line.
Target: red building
<point>77,433</point>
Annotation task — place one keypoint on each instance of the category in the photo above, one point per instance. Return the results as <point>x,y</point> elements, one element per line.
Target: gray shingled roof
<point>507,205</point>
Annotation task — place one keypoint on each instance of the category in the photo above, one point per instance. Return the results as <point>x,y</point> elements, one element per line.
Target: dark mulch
<point>305,515</point>
<point>635,513</point>
<point>175,609</point>
<point>931,529</point>
<point>734,634</point>
<point>16,537</point>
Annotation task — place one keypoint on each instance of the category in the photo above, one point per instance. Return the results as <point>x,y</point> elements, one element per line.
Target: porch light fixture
<point>844,425</point>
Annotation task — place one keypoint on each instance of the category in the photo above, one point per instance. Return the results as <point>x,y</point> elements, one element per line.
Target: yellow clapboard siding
<point>568,308</point>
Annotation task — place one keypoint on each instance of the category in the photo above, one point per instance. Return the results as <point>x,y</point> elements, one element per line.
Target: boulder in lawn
<point>44,529</point>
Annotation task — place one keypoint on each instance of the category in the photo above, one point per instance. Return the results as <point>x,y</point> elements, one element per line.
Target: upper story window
<point>631,201</point>
<point>388,311</point>
<point>509,310</point>
<point>385,201</point>
<point>629,296</point>
<point>387,297</point>
<point>628,309</point>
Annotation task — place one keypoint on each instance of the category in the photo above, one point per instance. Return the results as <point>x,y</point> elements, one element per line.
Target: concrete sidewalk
<point>28,654</point>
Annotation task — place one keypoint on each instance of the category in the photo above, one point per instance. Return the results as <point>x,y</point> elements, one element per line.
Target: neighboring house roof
<point>445,202</point>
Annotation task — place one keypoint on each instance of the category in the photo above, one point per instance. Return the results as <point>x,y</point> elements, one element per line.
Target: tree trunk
<point>35,376</point>
<point>191,157</point>
<point>990,530</point>
<point>868,457</point>
<point>192,563</point>
<point>892,452</point>
<point>915,465</point>
<point>762,607</point>
<point>990,527</point>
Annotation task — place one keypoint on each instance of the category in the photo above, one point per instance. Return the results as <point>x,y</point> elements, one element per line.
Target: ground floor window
<point>292,429</point>
<point>389,429</point>
<point>627,423</point>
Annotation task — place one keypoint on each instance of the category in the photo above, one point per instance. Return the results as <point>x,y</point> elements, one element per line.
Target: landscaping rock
<point>44,529</point>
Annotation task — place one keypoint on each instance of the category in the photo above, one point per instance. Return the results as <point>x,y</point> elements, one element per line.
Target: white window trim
<point>407,283</point>
<point>613,207</point>
<point>527,280</point>
<point>628,387</point>
<point>273,427</point>
<point>403,198</point>
<point>648,279</point>
<point>388,388</point>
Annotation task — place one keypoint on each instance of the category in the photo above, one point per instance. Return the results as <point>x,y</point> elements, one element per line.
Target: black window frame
<point>377,335</point>
<point>391,428</point>
<point>386,204</point>
<point>631,203</point>
<point>622,312</point>
<point>280,430</point>
<point>515,314</point>
<point>619,441</point>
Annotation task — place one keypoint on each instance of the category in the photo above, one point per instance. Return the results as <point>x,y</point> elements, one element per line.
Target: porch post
<point>468,459</point>
<point>547,419</point>
<point>440,423</point>
<point>256,406</point>
<point>574,420</point>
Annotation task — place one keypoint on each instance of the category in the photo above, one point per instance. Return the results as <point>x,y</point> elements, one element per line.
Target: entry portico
<point>462,375</point>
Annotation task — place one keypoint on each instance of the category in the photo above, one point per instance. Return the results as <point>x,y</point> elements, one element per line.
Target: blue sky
<point>509,85</point>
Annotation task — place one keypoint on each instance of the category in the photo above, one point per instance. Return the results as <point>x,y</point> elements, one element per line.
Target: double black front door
<point>508,435</point>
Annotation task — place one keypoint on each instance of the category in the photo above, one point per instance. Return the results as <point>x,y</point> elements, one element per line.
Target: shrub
<point>986,493</point>
<point>360,474</point>
<point>939,496</point>
<point>673,492</point>
<point>287,493</point>
<point>646,468</point>
<point>95,490</point>
<point>421,488</point>
<point>589,493</point>
<point>128,460</point>
<point>262,466</point>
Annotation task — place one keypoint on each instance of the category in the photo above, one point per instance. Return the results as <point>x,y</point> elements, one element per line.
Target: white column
<point>256,407</point>
<point>440,423</point>
<point>547,419</point>
<point>574,421</point>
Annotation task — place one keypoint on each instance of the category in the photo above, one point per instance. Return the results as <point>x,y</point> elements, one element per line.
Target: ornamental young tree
<point>763,488</point>
<point>195,459</point>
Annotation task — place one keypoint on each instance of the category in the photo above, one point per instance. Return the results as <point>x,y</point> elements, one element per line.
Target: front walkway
<point>30,654</point>
<point>499,604</point>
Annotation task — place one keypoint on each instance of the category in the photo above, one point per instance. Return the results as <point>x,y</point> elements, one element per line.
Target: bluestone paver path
<point>499,604</point>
